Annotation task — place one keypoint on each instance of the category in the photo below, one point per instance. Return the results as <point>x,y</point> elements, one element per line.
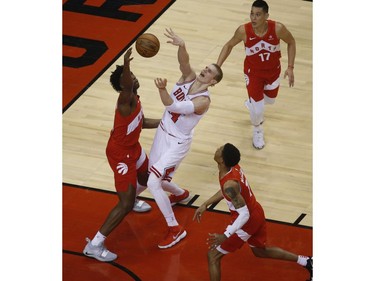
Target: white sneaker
<point>258,138</point>
<point>99,252</point>
<point>141,206</point>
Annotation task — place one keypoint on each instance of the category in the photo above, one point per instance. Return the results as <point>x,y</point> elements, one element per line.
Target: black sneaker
<point>309,267</point>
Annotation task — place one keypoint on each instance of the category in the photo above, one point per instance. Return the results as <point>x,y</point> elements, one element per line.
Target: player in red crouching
<point>248,224</point>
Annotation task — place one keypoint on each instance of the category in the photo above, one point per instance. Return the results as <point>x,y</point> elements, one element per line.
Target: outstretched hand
<point>290,74</point>
<point>176,40</point>
<point>127,55</point>
<point>199,212</point>
<point>161,83</point>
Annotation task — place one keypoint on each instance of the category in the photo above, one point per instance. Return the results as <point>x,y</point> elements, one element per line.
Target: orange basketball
<point>147,45</point>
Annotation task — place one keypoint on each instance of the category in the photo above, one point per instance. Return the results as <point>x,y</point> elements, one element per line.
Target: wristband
<point>290,66</point>
<point>243,217</point>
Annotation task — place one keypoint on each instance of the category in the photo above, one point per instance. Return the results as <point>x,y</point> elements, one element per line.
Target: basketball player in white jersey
<point>184,107</point>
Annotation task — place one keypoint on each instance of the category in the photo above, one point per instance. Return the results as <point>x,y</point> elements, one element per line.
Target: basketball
<point>147,45</point>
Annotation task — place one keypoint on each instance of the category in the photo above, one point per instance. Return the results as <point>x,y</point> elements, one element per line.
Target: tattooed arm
<point>232,190</point>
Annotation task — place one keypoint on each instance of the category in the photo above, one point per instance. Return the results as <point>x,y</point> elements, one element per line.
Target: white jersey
<point>181,125</point>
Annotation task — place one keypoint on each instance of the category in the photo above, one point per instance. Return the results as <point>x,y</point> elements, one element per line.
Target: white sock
<point>256,110</point>
<point>302,260</point>
<point>98,239</point>
<point>172,188</point>
<point>171,221</point>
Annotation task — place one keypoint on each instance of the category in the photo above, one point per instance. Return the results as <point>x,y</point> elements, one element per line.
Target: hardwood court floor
<point>280,175</point>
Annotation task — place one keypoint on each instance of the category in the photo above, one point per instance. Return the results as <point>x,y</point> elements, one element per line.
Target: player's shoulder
<point>187,80</point>
<point>281,30</point>
<point>242,28</point>
<point>229,183</point>
<point>279,26</point>
<point>203,96</point>
<point>128,104</point>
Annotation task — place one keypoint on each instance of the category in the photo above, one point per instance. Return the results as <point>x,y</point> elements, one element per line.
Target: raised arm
<point>198,105</point>
<point>188,73</point>
<point>239,35</point>
<point>126,81</point>
<point>161,84</point>
<point>284,34</point>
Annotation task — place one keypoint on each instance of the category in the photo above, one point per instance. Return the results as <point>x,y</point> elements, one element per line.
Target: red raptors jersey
<point>237,174</point>
<point>262,53</point>
<point>127,129</point>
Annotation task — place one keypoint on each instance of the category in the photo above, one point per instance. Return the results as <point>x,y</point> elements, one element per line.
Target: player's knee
<point>210,257</point>
<point>143,178</point>
<point>213,257</point>
<point>269,100</point>
<point>124,207</point>
<point>259,252</point>
<point>126,199</point>
<point>256,109</point>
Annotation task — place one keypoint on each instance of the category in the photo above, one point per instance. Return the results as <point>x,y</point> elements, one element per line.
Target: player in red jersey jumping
<point>261,38</point>
<point>126,157</point>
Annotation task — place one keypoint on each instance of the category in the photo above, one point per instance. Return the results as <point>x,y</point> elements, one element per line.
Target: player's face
<point>208,74</point>
<point>135,82</point>
<point>217,157</point>
<point>258,17</point>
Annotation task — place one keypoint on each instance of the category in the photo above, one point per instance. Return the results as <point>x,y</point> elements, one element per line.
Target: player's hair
<point>261,4</point>
<point>231,155</point>
<point>115,78</point>
<point>219,74</point>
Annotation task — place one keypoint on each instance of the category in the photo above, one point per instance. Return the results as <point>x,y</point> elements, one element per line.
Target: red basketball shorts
<point>254,232</point>
<point>263,83</point>
<point>126,164</point>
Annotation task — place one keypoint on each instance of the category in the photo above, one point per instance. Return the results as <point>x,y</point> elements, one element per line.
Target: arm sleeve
<point>243,217</point>
<point>183,107</point>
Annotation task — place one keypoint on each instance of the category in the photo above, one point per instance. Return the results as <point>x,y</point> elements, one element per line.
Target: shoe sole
<point>97,258</point>
<point>142,210</point>
<point>182,236</point>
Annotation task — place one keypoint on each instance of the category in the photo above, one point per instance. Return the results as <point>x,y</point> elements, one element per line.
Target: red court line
<point>135,242</point>
<point>115,34</point>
